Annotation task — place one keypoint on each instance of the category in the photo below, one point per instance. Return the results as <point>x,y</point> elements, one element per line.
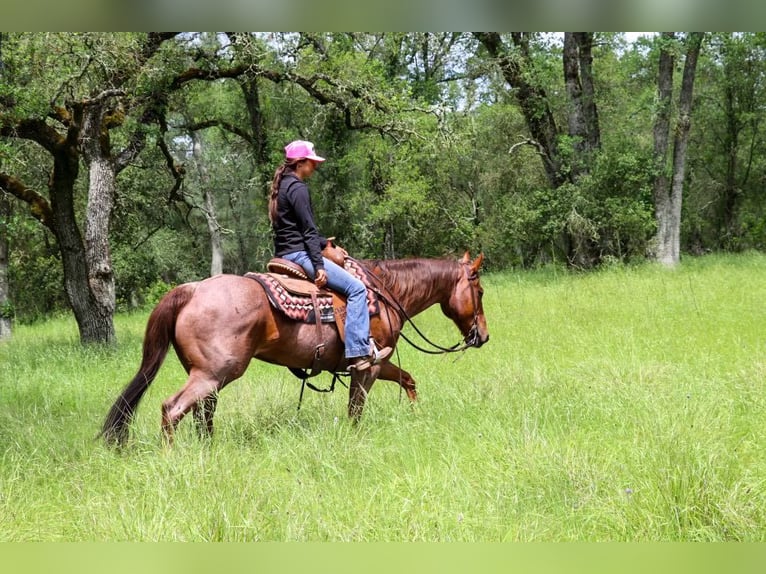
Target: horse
<point>219,324</point>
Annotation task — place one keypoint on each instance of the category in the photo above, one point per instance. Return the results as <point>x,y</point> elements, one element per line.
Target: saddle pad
<point>356,269</point>
<point>296,307</point>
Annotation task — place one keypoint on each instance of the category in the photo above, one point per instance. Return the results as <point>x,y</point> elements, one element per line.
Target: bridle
<point>471,338</point>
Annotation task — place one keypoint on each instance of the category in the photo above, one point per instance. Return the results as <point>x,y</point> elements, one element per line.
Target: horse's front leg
<point>203,415</point>
<point>390,372</point>
<point>359,388</point>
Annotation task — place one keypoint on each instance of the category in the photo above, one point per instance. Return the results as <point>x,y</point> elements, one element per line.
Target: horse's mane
<point>410,277</point>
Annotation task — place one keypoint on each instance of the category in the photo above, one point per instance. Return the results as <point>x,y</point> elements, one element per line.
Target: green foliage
<point>621,203</point>
<point>152,294</point>
<point>36,281</point>
<point>7,310</point>
<point>143,275</point>
<point>725,198</point>
<point>608,212</point>
<point>35,276</point>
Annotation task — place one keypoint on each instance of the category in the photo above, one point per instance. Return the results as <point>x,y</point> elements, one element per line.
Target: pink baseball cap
<point>300,149</point>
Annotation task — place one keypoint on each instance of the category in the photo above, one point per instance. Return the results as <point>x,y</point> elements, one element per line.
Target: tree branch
<point>177,171</point>
<point>529,141</point>
<point>207,75</point>
<point>309,84</point>
<point>35,130</point>
<point>229,127</point>
<point>105,95</point>
<point>38,205</point>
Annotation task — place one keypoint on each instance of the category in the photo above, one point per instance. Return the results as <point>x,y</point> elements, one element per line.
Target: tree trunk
<point>731,150</point>
<point>531,97</point>
<point>578,130</point>
<point>5,314</point>
<point>100,314</point>
<point>92,325</point>
<point>250,92</point>
<point>663,237</point>
<point>517,69</point>
<point>583,115</point>
<point>389,249</point>
<point>583,250</point>
<point>216,237</point>
<point>94,141</point>
<point>83,128</point>
<point>681,140</point>
<point>590,111</point>
<point>731,189</point>
<point>669,243</point>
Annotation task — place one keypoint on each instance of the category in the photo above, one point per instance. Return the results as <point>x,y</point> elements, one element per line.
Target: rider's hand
<point>321,278</point>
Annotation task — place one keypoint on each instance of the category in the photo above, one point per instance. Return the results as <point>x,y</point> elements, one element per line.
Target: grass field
<point>626,404</point>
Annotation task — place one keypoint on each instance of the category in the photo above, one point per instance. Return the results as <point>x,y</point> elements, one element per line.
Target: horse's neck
<point>418,284</point>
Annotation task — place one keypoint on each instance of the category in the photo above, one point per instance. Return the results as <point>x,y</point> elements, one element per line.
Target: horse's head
<point>464,306</point>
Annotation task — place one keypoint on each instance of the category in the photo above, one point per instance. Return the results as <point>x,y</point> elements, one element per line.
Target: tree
<point>668,191</point>
<point>76,124</point>
<point>214,228</point>
<point>724,207</point>
<point>566,157</point>
<point>5,303</point>
<point>516,64</point>
<point>583,115</point>
<point>310,86</point>
<point>5,216</point>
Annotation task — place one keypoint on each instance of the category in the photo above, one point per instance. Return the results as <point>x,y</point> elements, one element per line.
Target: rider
<point>297,239</point>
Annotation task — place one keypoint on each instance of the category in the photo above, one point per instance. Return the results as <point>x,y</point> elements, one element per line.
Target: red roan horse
<point>217,325</point>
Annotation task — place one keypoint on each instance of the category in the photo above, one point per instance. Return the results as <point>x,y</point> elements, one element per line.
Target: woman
<point>296,239</point>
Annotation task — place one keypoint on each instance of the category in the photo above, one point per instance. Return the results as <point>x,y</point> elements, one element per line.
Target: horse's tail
<point>160,332</point>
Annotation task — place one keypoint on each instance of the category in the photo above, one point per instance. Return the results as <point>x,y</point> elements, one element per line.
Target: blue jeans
<point>357,314</point>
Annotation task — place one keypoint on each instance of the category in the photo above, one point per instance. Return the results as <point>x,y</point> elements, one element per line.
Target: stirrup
<point>377,357</point>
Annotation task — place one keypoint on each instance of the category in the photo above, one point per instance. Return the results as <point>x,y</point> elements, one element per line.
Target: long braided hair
<point>287,167</point>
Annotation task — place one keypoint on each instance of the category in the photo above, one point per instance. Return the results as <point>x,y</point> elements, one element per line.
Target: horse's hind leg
<point>203,415</point>
<point>199,388</point>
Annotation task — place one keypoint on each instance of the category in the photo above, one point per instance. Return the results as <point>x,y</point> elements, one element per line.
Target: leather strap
<point>316,366</point>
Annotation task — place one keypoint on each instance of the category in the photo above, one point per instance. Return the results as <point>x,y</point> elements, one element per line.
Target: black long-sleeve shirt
<point>294,228</point>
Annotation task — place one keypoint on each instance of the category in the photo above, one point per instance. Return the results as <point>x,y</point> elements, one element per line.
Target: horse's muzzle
<point>474,339</point>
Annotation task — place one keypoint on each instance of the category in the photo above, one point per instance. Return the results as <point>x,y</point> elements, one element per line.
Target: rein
<point>467,342</point>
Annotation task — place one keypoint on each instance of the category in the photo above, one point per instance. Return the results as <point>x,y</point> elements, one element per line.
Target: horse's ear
<point>476,265</point>
<point>466,258</point>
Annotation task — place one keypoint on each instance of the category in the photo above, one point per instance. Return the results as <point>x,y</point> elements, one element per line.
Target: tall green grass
<point>626,404</point>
